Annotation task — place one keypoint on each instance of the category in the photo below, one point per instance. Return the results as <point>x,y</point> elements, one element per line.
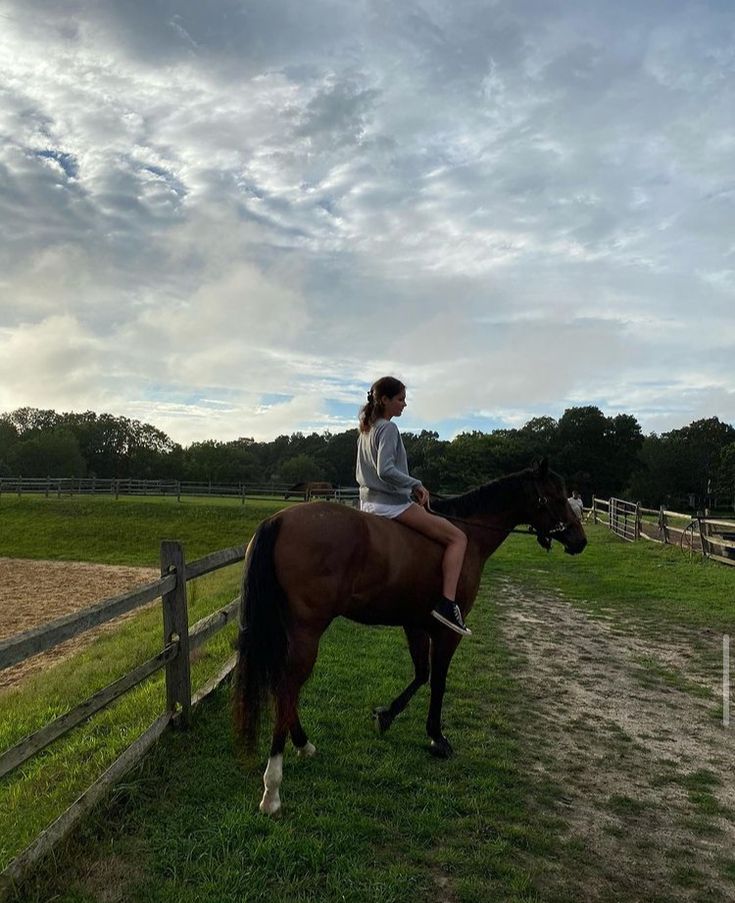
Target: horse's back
<point>335,557</point>
<point>321,537</point>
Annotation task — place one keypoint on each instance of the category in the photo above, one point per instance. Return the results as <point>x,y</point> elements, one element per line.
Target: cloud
<point>517,207</point>
<point>53,363</point>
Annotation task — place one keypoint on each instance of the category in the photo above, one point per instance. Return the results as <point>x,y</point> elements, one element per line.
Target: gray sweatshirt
<point>382,466</point>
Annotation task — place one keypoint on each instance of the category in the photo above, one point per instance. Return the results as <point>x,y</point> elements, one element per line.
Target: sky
<point>228,218</point>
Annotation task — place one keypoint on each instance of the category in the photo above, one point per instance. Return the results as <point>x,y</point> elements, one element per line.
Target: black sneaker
<point>449,614</point>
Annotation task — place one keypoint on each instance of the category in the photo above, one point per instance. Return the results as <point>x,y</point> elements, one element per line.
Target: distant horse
<point>310,490</point>
<point>309,564</point>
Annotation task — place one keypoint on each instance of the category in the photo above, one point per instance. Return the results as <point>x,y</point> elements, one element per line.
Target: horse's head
<point>549,512</point>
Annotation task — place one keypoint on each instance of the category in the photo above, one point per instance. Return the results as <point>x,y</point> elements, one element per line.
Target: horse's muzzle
<point>573,540</point>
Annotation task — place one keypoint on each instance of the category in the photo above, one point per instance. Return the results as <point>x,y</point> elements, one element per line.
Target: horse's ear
<point>541,467</point>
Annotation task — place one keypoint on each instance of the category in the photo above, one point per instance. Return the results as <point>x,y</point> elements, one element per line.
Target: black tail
<point>263,639</point>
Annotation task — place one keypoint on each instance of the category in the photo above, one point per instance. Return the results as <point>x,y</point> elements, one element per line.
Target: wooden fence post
<point>176,627</point>
<point>704,531</point>
<point>637,521</point>
<point>594,510</point>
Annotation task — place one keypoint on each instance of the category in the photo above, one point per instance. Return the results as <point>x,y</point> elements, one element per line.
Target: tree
<point>468,461</point>
<point>583,441</point>
<point>299,469</point>
<point>54,453</point>
<point>425,452</point>
<point>340,457</point>
<point>541,436</point>
<point>31,420</point>
<point>8,443</point>
<point>725,479</point>
<point>700,444</point>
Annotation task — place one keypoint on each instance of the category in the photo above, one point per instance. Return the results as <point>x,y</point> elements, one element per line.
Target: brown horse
<point>309,564</point>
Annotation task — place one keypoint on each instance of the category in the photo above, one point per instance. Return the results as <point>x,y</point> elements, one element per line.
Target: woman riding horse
<point>386,488</point>
<point>309,564</point>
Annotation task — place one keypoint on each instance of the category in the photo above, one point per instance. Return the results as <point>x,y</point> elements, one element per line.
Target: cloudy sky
<point>228,218</point>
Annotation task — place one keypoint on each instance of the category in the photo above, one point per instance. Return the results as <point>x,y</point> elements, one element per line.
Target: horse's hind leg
<point>301,661</point>
<point>273,776</point>
<point>418,646</point>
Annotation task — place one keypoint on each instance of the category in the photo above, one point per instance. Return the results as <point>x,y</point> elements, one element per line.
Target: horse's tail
<point>263,639</point>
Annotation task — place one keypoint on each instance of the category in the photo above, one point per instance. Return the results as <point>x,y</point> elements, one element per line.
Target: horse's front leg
<point>443,646</point>
<point>304,747</point>
<point>418,646</point>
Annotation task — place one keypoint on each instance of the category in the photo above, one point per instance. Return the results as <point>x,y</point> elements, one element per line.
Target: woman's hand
<point>421,494</point>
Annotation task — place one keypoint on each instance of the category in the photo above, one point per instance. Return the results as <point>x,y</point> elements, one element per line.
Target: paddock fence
<point>70,486</point>
<point>698,534</point>
<point>179,641</point>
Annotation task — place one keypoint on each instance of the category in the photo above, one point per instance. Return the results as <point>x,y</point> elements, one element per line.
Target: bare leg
<point>443,531</point>
<point>418,646</point>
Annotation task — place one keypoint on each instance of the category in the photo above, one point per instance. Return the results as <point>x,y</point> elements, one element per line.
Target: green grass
<point>642,583</point>
<point>100,529</point>
<point>368,818</point>
<point>127,531</point>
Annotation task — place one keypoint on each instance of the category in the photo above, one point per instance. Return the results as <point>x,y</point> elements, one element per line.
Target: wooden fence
<point>60,486</point>
<point>179,641</point>
<point>708,536</point>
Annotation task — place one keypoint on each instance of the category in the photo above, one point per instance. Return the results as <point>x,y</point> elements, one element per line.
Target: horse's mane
<point>492,497</point>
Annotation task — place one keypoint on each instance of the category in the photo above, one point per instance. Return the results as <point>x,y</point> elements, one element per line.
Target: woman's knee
<point>458,539</point>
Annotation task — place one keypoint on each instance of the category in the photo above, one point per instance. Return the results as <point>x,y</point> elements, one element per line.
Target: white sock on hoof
<point>271,802</point>
<point>307,750</point>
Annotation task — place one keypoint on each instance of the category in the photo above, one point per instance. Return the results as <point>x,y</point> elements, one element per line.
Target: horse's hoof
<point>270,806</point>
<point>382,719</point>
<point>441,749</point>
<point>306,751</point>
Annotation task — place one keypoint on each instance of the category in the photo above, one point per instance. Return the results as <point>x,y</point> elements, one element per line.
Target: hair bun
<point>370,396</point>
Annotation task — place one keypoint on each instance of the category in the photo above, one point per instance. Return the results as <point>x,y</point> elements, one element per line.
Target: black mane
<point>495,496</point>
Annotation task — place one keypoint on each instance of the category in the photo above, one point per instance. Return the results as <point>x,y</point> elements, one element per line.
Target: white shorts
<point>384,510</point>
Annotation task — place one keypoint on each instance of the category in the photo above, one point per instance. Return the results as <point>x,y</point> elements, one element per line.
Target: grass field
<point>126,531</point>
<point>368,818</point>
<point>122,532</point>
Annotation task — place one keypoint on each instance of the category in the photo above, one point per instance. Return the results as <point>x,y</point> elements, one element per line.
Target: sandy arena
<point>35,592</point>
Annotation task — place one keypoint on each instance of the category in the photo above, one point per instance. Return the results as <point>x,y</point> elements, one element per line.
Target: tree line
<point>599,455</point>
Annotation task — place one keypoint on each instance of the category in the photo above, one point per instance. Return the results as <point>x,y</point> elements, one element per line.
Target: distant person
<point>387,488</point>
<point>576,504</point>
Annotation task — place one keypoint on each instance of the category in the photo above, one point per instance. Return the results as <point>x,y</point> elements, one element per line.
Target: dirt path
<point>625,735</point>
<point>34,592</point>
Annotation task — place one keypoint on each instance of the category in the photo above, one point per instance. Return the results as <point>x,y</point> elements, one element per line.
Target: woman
<point>386,489</point>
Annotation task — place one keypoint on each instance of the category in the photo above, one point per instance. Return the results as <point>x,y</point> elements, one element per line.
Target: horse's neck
<point>488,515</point>
<point>488,530</point>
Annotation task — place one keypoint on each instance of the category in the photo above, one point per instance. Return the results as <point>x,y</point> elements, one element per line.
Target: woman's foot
<point>449,614</point>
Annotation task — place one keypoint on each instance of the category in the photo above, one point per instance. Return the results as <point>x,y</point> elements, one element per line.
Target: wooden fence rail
<point>60,486</point>
<point>711,537</point>
<point>179,640</point>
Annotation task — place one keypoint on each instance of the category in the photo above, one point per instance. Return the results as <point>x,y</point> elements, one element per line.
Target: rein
<point>528,531</point>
